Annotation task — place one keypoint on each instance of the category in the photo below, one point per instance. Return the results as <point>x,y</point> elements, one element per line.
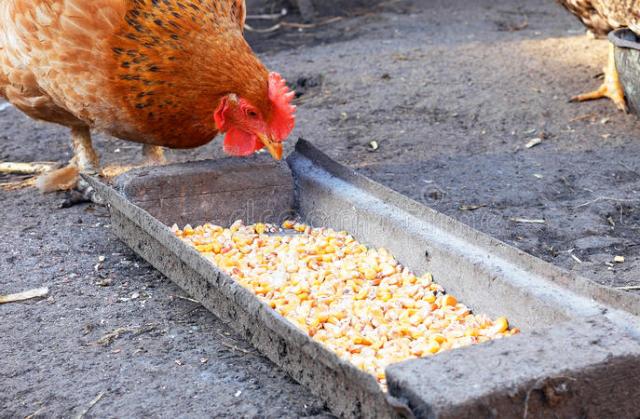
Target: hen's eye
<point>252,114</point>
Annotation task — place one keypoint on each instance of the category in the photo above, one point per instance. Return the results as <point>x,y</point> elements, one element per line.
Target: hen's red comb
<point>283,118</point>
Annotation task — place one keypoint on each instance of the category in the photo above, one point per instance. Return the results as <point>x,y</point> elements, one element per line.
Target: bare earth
<point>451,91</point>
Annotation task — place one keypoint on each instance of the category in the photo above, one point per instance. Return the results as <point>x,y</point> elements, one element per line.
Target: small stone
<point>533,142</point>
<point>105,282</point>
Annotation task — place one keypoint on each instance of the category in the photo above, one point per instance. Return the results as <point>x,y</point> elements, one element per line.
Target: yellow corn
<point>359,302</point>
<point>260,228</point>
<point>449,300</point>
<point>501,324</point>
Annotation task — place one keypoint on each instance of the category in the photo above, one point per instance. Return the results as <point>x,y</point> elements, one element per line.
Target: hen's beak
<point>274,147</point>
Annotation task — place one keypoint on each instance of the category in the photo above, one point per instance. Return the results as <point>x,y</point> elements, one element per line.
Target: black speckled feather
<point>603,16</point>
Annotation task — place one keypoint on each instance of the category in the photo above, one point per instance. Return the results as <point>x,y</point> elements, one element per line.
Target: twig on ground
<point>472,207</point>
<point>110,337</point>
<point>25,295</point>
<point>583,117</point>
<point>235,348</point>
<point>186,299</point>
<point>605,198</point>
<point>293,25</point>
<point>629,288</point>
<point>527,220</point>
<point>34,168</point>
<point>265,30</point>
<point>269,16</point>
<point>629,168</point>
<point>19,184</point>
<point>91,404</point>
<point>36,413</point>
<point>231,346</point>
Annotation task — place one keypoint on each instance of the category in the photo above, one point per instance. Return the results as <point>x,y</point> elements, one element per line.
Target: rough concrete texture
<point>253,189</point>
<point>586,368</point>
<point>450,89</point>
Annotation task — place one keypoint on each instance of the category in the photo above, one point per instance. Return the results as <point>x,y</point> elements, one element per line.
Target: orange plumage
<point>149,71</point>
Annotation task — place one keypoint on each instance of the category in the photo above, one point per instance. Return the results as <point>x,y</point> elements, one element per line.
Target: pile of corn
<point>358,302</point>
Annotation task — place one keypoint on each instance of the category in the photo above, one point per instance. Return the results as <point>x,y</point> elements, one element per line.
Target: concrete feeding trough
<point>578,354</point>
<point>627,57</point>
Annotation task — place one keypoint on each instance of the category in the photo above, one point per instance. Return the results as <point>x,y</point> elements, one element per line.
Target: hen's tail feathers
<point>58,180</point>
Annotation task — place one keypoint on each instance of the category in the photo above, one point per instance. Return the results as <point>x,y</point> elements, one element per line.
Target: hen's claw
<point>82,193</point>
<point>610,88</point>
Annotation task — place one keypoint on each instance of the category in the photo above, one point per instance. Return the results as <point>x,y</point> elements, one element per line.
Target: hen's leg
<point>84,155</point>
<point>154,154</point>
<point>611,87</point>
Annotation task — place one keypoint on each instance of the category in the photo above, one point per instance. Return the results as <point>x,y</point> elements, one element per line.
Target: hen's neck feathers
<point>180,62</point>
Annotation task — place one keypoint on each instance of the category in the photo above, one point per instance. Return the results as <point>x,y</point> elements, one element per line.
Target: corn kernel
<point>433,347</point>
<point>449,300</point>
<point>502,324</point>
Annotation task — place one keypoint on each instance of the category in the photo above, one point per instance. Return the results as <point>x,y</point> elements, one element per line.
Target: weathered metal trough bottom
<point>578,354</point>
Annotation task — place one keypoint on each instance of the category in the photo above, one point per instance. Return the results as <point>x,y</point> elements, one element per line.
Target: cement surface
<point>450,90</point>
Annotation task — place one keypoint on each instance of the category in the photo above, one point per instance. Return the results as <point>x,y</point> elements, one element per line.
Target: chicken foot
<point>611,87</point>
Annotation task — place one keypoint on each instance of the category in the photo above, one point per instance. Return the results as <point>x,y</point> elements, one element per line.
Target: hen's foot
<point>610,88</point>
<point>154,155</point>
<point>80,194</point>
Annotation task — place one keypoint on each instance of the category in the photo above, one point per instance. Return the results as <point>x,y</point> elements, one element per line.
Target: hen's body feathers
<point>140,70</point>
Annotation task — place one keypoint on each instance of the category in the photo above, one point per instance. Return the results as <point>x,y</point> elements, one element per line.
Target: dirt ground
<point>451,91</point>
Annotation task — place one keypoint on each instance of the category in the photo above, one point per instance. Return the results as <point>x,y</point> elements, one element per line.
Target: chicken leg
<point>611,87</point>
<point>153,156</point>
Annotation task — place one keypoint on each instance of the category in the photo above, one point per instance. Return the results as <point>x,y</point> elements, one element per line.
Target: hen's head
<point>250,127</point>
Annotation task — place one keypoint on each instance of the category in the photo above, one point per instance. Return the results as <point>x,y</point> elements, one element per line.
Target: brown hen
<point>164,73</point>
